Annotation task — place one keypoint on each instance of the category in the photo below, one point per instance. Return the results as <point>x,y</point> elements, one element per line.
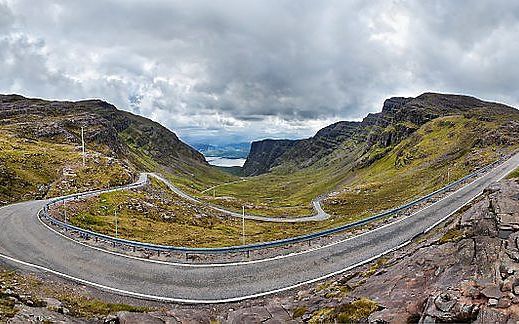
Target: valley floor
<point>156,214</point>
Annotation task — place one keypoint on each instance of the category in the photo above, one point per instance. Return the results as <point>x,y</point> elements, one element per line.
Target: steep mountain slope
<point>413,146</point>
<point>105,126</point>
<point>264,154</point>
<point>39,148</point>
<point>269,153</point>
<point>376,134</point>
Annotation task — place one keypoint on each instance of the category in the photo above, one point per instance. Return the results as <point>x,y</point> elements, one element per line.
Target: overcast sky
<point>229,71</point>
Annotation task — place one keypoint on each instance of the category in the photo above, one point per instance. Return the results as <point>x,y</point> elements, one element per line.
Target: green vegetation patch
<point>514,174</point>
<point>441,151</point>
<point>35,169</point>
<point>452,235</point>
<point>365,183</point>
<point>299,311</point>
<point>375,266</point>
<point>365,180</point>
<point>7,309</point>
<point>346,313</point>
<point>155,214</point>
<point>81,306</point>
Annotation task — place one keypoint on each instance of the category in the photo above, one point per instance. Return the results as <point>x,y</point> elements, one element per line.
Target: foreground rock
<point>470,273</point>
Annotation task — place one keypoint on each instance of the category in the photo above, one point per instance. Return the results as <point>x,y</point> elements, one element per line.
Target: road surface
<point>319,215</point>
<point>27,243</point>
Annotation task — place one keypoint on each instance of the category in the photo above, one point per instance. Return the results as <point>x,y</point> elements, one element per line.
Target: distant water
<point>224,162</point>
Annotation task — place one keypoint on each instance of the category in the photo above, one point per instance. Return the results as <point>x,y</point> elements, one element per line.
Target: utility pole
<point>116,224</point>
<point>214,193</point>
<point>243,224</point>
<point>83,145</point>
<point>448,175</point>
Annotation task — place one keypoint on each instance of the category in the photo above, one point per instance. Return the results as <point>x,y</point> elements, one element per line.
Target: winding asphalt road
<point>319,215</point>
<point>27,243</point>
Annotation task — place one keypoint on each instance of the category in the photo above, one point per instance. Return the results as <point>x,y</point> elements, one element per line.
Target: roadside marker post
<point>116,225</point>
<point>83,145</point>
<point>65,209</point>
<point>243,224</point>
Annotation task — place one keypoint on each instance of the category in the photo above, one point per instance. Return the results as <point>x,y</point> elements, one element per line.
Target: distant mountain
<point>361,143</point>
<point>230,151</point>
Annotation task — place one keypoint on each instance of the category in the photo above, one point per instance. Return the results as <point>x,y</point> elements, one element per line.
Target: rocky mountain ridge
<point>399,118</point>
<point>113,130</point>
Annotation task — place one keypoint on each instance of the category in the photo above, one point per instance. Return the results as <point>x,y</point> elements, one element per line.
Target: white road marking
<point>198,301</point>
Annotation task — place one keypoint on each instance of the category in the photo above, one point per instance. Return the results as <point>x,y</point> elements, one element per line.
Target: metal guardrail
<point>233,249</point>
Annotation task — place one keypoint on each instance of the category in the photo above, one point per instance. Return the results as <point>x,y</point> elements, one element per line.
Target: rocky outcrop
<point>378,132</point>
<point>267,154</point>
<point>264,155</point>
<point>105,126</point>
<point>490,291</point>
<point>468,272</point>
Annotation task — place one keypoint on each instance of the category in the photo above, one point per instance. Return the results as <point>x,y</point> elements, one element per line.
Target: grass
<point>7,309</point>
<point>375,266</point>
<point>452,235</point>
<point>299,311</point>
<point>345,313</point>
<point>355,311</point>
<point>429,159</point>
<point>157,215</point>
<point>275,194</point>
<point>99,172</point>
<point>33,169</point>
<point>514,174</point>
<point>439,152</point>
<point>81,306</point>
<point>28,166</point>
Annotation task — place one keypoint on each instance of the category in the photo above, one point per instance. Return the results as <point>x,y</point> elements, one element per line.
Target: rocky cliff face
<point>399,118</point>
<point>485,287</point>
<point>267,154</point>
<point>264,154</point>
<point>106,128</point>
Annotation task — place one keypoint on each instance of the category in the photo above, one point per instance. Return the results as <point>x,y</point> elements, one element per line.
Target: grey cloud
<point>242,70</point>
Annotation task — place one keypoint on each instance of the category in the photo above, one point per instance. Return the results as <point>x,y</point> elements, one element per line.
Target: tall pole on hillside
<point>116,224</point>
<point>83,145</point>
<point>243,224</point>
